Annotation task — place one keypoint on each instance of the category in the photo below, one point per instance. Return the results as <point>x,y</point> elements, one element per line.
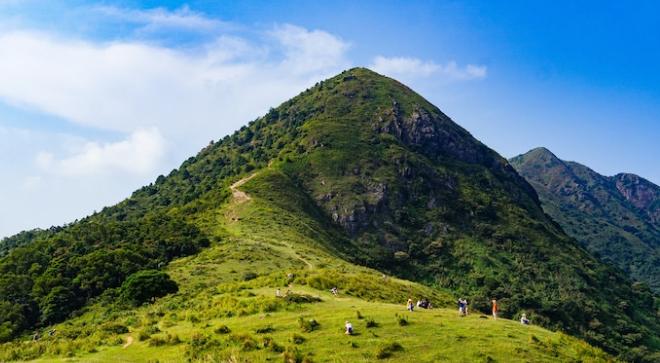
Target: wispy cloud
<point>121,86</point>
<point>310,50</point>
<point>140,153</point>
<point>162,18</point>
<point>150,96</point>
<point>414,67</point>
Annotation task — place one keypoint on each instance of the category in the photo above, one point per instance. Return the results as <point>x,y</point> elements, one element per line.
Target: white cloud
<point>138,154</point>
<point>308,51</point>
<point>121,86</point>
<point>159,18</point>
<point>162,103</point>
<point>414,67</point>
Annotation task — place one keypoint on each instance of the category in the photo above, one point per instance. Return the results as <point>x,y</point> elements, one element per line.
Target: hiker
<point>494,302</point>
<point>36,336</point>
<point>349,328</point>
<point>424,303</point>
<point>462,307</point>
<point>410,306</point>
<point>51,332</point>
<point>524,320</point>
<point>278,293</point>
<point>334,291</point>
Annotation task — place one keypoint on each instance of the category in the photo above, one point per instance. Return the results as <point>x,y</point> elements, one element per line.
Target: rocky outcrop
<point>641,193</point>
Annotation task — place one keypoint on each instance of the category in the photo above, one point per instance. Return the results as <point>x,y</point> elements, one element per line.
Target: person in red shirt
<point>494,302</point>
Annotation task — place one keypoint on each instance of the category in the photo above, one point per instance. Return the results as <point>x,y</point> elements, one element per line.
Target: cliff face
<point>641,193</point>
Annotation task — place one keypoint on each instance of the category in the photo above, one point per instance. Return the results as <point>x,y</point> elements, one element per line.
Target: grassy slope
<point>272,236</point>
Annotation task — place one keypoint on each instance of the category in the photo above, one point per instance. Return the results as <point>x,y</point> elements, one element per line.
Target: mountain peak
<point>539,158</point>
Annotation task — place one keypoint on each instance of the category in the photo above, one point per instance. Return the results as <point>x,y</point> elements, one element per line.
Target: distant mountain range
<point>617,217</point>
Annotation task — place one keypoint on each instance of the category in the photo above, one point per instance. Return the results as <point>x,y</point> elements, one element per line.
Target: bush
<point>301,298</point>
<point>222,329</point>
<point>265,330</point>
<point>371,323</point>
<point>387,350</point>
<point>293,355</point>
<point>143,335</point>
<point>157,341</point>
<point>249,276</point>
<point>308,325</point>
<point>245,341</point>
<point>271,345</point>
<point>145,285</point>
<point>402,320</point>
<point>297,339</point>
<point>114,328</point>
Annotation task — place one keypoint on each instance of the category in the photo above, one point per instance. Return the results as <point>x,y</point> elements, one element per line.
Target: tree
<point>57,305</point>
<point>144,285</point>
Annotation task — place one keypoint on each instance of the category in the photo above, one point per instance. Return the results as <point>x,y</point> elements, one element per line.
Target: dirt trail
<point>239,195</point>
<point>129,341</point>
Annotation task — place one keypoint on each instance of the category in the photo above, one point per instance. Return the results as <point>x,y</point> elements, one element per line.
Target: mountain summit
<point>358,170</point>
<point>616,217</point>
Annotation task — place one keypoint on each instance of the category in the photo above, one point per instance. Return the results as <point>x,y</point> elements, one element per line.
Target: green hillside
<point>357,171</point>
<point>226,309</point>
<point>616,217</point>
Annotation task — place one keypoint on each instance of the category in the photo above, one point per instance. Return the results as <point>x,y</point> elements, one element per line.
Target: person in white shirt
<point>524,320</point>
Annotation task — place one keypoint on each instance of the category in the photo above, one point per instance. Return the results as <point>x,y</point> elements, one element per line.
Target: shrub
<point>222,329</point>
<point>297,339</point>
<point>114,328</point>
<point>402,320</point>
<point>308,325</point>
<point>152,329</point>
<point>167,340</point>
<point>143,335</point>
<point>271,345</point>
<point>245,341</point>
<point>145,285</point>
<point>387,350</point>
<point>249,276</point>
<point>293,355</point>
<point>301,298</point>
<point>371,323</point>
<point>265,330</point>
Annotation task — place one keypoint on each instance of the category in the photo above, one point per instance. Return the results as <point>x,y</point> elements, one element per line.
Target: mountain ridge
<point>625,206</point>
<point>376,176</point>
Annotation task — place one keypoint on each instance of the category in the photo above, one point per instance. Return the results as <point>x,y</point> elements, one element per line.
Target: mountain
<point>616,217</point>
<point>354,180</point>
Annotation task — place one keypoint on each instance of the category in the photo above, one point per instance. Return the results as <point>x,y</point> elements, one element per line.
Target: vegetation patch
<point>387,350</point>
<point>308,325</point>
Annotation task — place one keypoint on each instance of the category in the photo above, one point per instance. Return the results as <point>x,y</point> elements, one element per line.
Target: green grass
<point>219,315</point>
<point>431,335</point>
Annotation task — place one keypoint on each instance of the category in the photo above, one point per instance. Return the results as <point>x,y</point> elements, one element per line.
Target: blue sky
<point>99,98</point>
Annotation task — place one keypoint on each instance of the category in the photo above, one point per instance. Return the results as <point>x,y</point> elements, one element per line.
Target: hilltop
<point>617,217</point>
<point>355,178</point>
